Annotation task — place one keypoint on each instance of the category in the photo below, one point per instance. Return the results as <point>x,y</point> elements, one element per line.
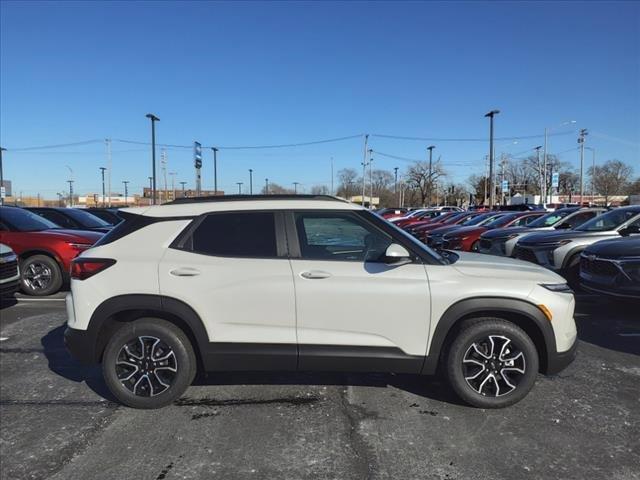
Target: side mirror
<point>564,226</point>
<point>629,230</point>
<point>397,255</point>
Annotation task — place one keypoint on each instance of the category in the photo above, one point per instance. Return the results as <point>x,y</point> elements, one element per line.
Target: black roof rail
<point>235,198</point>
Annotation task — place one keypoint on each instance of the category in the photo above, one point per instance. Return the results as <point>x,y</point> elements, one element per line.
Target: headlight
<point>513,235</point>
<point>632,269</point>
<point>80,246</point>
<point>557,287</point>
<point>564,242</point>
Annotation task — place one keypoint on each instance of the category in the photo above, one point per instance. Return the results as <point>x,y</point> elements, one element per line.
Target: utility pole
<point>266,186</point>
<point>251,181</point>
<point>395,185</point>
<point>109,164</point>
<point>126,191</point>
<point>183,184</point>
<point>370,178</point>
<point>163,163</point>
<point>492,188</point>
<point>332,192</point>
<point>537,149</point>
<point>2,189</point>
<point>173,184</point>
<point>593,173</point>
<point>215,170</point>
<point>544,168</point>
<point>151,188</point>
<point>295,187</point>
<point>430,148</point>
<point>364,166</point>
<point>239,187</point>
<point>70,182</point>
<point>153,119</point>
<point>486,178</point>
<point>102,169</point>
<point>581,139</point>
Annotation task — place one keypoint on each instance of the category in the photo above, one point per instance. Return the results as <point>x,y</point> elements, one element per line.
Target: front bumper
<point>542,255</point>
<point>558,361</point>
<point>496,246</point>
<point>7,289</point>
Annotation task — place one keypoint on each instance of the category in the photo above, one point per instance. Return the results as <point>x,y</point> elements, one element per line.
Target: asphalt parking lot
<point>58,421</point>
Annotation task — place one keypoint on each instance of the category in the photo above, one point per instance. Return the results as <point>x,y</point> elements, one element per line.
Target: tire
<point>572,272</point>
<point>475,246</point>
<point>513,353</point>
<point>168,363</point>
<point>40,275</point>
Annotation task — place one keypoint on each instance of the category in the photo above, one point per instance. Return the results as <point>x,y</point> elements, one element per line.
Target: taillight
<point>83,268</point>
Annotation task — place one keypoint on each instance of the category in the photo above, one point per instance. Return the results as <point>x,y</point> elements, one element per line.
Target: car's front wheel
<point>148,363</point>
<point>492,363</point>
<point>40,275</point>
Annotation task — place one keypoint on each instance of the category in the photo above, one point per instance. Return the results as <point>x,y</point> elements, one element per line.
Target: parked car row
<point>560,240</point>
<point>44,241</point>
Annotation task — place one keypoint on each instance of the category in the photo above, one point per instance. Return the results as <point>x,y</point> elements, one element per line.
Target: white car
<point>9,272</point>
<point>306,283</point>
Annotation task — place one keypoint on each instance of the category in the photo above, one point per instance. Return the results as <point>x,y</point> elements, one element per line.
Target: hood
<point>505,232</point>
<point>504,268</point>
<point>558,235</point>
<point>80,236</point>
<point>616,247</point>
<point>444,229</point>
<point>460,231</point>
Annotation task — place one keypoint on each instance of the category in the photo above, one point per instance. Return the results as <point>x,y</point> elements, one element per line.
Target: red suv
<point>45,250</point>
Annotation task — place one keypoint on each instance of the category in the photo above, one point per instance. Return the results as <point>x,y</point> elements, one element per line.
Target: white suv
<point>306,283</point>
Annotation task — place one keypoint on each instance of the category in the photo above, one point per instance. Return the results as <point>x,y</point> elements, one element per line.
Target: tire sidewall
<point>56,275</point>
<point>173,337</point>
<point>476,332</point>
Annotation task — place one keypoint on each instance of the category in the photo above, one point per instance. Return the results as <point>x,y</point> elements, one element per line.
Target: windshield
<point>24,220</point>
<point>480,219</point>
<point>608,221</point>
<point>500,221</point>
<point>550,219</point>
<point>85,219</point>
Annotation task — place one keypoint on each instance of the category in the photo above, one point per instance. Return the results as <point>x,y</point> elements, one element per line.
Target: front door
<point>354,311</point>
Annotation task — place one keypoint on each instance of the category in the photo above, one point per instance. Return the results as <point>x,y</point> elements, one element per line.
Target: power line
<point>434,139</point>
<point>60,145</point>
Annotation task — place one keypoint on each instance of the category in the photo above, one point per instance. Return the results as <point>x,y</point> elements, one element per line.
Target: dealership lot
<point>59,422</point>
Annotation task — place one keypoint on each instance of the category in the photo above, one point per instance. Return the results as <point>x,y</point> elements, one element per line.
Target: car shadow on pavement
<point>609,323</point>
<point>62,363</point>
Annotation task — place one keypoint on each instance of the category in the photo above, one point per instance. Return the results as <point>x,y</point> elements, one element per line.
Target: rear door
<point>354,311</point>
<point>232,269</point>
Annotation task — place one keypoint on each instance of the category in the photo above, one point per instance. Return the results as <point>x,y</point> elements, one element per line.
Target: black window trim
<point>184,239</point>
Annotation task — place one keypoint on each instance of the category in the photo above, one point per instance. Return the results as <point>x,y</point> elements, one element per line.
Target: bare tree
<point>276,189</point>
<point>347,181</point>
<point>319,190</point>
<point>418,178</point>
<point>478,185</point>
<point>611,178</point>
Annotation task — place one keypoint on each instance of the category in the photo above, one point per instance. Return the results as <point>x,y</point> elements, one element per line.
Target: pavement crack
<point>365,455</point>
<point>235,402</point>
<point>163,473</point>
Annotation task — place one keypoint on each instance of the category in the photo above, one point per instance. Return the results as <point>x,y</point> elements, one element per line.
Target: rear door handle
<point>315,274</point>
<point>185,272</point>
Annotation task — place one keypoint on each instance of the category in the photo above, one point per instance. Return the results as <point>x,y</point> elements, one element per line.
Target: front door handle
<point>185,272</point>
<point>315,274</point>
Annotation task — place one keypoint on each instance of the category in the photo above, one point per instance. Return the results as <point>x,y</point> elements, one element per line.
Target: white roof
<point>198,208</point>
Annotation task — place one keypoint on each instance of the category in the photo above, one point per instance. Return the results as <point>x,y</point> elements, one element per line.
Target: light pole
<point>430,148</point>
<point>537,149</point>
<point>153,119</point>
<point>395,184</point>
<point>183,184</point>
<point>102,169</point>
<point>266,186</point>
<point>370,177</point>
<point>239,187</point>
<point>173,184</point>
<point>251,181</point>
<point>364,166</point>
<point>593,173</point>
<point>2,190</point>
<point>492,188</point>
<point>295,187</point>
<point>581,139</point>
<point>215,170</point>
<point>70,182</point>
<point>126,191</point>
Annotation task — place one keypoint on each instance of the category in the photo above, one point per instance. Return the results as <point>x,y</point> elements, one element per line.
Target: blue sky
<point>271,73</point>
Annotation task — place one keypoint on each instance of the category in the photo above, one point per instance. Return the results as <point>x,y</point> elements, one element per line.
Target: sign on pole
<point>505,186</point>
<point>3,192</point>
<point>555,180</point>
<point>197,160</point>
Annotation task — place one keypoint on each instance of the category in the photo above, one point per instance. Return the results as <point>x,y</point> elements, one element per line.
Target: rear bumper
<point>558,361</point>
<point>80,345</point>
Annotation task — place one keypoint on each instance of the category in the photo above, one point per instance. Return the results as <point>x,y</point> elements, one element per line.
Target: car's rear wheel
<point>148,363</point>
<point>475,246</point>
<point>40,275</point>
<point>491,363</point>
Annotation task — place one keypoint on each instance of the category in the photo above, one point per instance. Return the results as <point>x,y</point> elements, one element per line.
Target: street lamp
<point>250,181</point>
<point>395,184</point>
<point>102,169</point>
<point>126,191</point>
<point>295,187</point>
<point>593,173</point>
<point>215,170</point>
<point>430,148</point>
<point>492,189</point>
<point>2,189</point>
<point>153,119</point>
<point>239,187</point>
<point>544,156</point>
<point>70,182</point>
<point>183,184</point>
<point>266,186</point>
